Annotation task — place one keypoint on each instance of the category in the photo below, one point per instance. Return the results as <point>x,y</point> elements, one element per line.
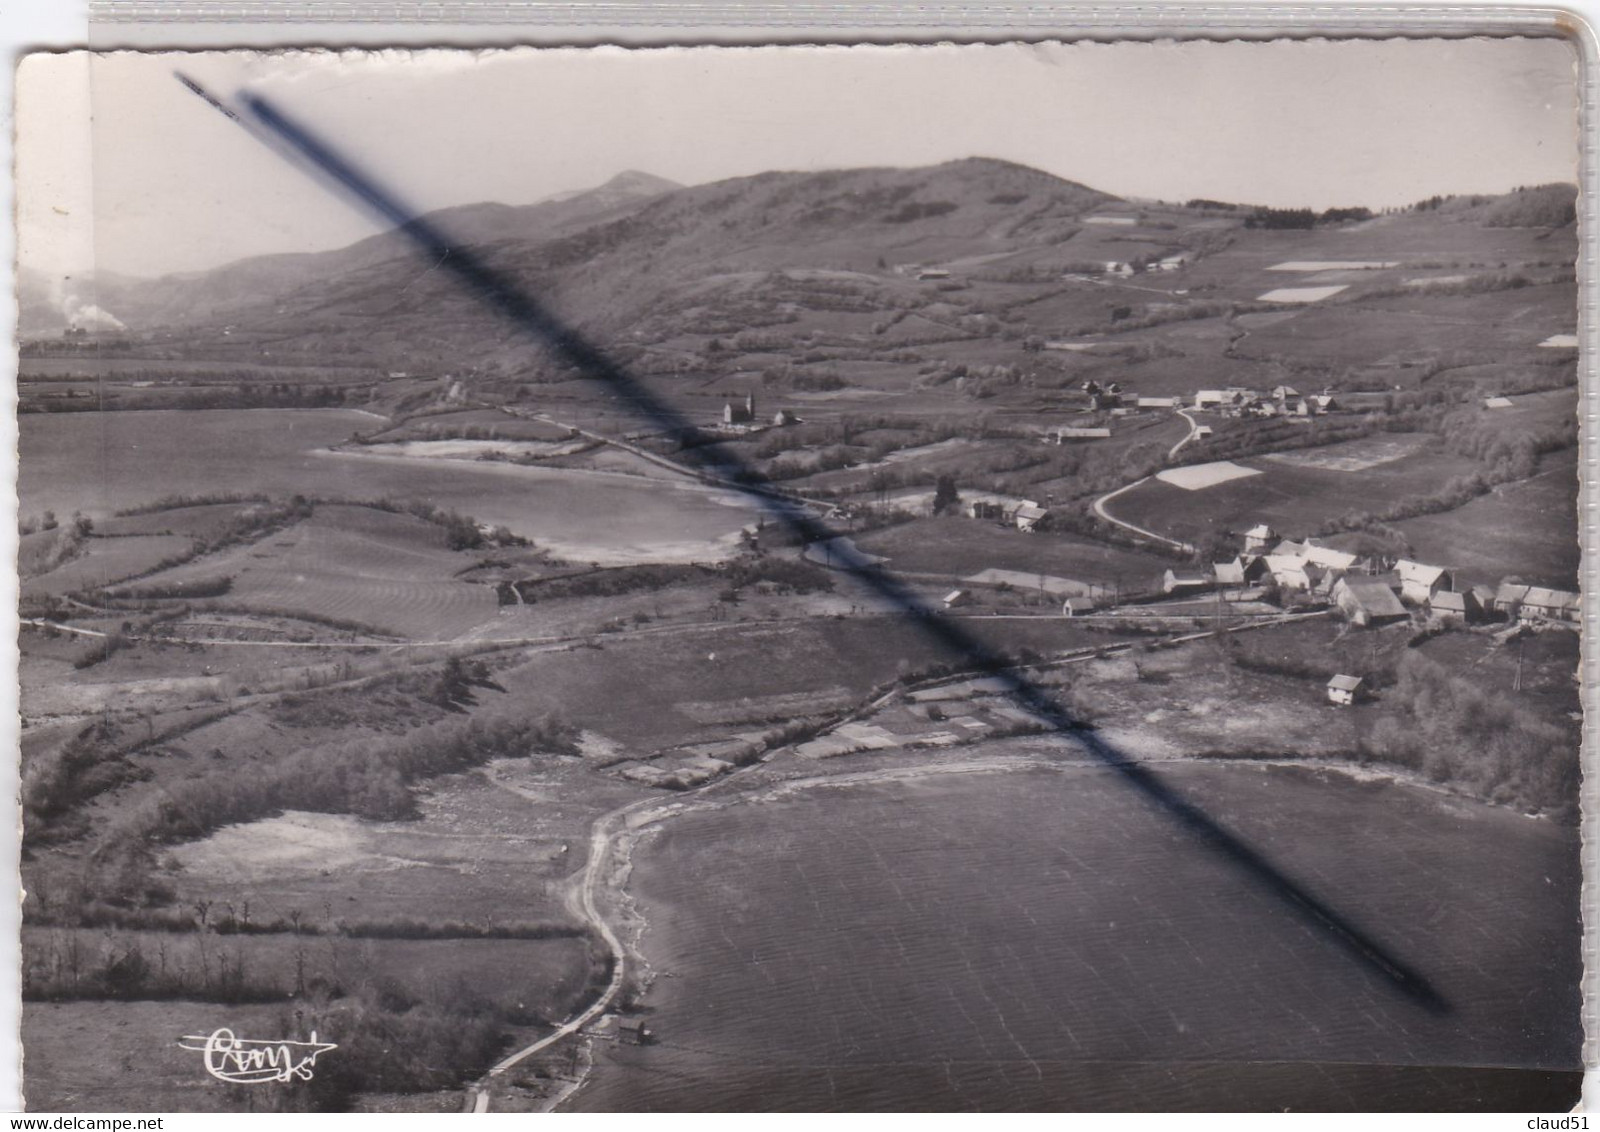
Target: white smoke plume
<point>79,313</point>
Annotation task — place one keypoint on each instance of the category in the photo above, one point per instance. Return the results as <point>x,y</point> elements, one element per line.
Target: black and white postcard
<point>997,577</point>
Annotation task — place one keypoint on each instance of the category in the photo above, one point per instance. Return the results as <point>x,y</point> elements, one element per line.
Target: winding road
<point>1100,510</point>
<point>1194,431</point>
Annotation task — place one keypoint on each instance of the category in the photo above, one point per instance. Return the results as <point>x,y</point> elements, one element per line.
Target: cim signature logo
<point>246,1061</point>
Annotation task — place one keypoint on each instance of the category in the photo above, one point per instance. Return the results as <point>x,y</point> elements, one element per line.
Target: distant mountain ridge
<point>200,296</point>
<point>640,258</point>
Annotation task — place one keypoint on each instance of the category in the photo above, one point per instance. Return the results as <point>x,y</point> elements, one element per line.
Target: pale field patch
<point>1354,456</point>
<point>1199,476</point>
<point>1301,294</point>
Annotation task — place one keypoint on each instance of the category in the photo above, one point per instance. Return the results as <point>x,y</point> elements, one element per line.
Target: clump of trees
<point>368,777</point>
<point>1453,731</point>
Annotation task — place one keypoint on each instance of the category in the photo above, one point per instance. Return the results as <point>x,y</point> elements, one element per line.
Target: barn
<point>1367,603</point>
<point>1419,582</point>
<point>1344,690</point>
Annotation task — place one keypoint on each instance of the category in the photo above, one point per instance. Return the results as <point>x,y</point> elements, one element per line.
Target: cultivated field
<point>1291,497</point>
<point>103,561</point>
<point>354,565</point>
<point>1525,529</point>
<point>1100,924</point>
<point>960,547</point>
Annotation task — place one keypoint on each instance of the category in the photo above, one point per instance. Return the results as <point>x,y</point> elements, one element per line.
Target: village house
<point>1030,516</point>
<point>1331,559</point>
<point>1258,538</point>
<point>1365,602</point>
<point>1228,573</point>
<point>1173,262</point>
<point>1066,433</point>
<point>933,273</point>
<point>955,599</point>
<point>1159,402</point>
<point>1324,403</point>
<point>1293,572</point>
<point>635,1032</point>
<point>1508,599</point>
<point>1497,403</point>
<point>1209,398</point>
<point>734,412</point>
<point>783,417</point>
<point>1118,267</point>
<point>1344,690</point>
<point>986,509</point>
<point>1450,608</point>
<point>1077,606</point>
<point>1540,604</point>
<point>1419,582</point>
<point>1180,582</point>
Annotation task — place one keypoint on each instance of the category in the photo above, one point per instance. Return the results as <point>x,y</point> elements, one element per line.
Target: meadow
<point>959,547</point>
<point>1110,949</point>
<point>1526,529</point>
<point>1294,499</point>
<point>354,565</point>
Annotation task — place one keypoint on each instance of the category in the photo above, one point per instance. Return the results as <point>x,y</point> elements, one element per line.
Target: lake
<point>1046,939</point>
<point>99,463</point>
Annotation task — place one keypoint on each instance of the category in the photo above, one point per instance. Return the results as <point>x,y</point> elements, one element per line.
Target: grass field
<point>104,561</point>
<point>1295,500</point>
<point>1110,948</point>
<point>206,521</point>
<point>1528,529</point>
<point>674,682</point>
<point>352,564</point>
<point>959,547</point>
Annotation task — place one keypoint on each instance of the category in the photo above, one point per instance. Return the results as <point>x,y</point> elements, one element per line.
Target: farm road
<point>1194,431</point>
<point>1100,510</point>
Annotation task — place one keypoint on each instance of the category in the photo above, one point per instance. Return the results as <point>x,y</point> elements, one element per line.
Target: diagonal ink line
<point>301,146</point>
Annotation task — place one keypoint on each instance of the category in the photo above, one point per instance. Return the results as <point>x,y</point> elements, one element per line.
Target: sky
<point>120,168</point>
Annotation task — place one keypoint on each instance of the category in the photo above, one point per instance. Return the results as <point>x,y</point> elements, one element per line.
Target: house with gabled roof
<point>1366,602</point>
<point>1030,517</point>
<point>1330,559</point>
<point>1508,598</point>
<point>1343,690</point>
<point>1451,608</point>
<point>1184,582</point>
<point>1419,581</point>
<point>1293,572</point>
<point>1077,606</point>
<point>1228,573</point>
<point>1541,604</point>
<point>1258,538</point>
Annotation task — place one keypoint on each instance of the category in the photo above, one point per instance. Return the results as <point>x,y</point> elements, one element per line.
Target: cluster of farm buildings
<point>1282,401</point>
<point>1369,591</point>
